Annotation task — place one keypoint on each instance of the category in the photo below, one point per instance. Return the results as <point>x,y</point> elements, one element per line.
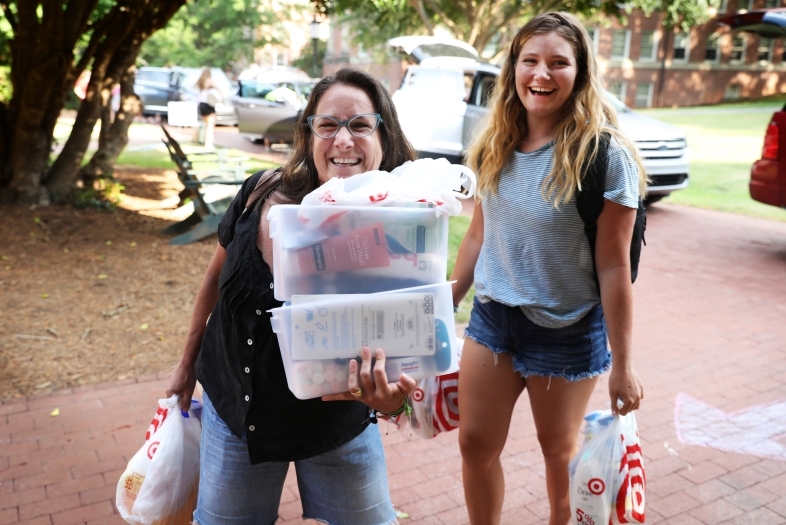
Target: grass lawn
<point>724,141</point>
<point>159,158</point>
<point>458,227</point>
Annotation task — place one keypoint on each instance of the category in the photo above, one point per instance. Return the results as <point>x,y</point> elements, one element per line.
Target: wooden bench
<point>210,190</point>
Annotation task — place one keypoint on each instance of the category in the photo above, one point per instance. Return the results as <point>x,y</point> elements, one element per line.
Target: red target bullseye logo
<point>152,449</point>
<point>418,395</point>
<point>596,486</point>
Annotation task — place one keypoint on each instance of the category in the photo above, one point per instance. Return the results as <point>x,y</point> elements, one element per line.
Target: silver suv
<point>444,97</point>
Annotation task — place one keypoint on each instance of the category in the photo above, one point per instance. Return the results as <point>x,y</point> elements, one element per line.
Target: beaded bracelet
<point>405,408</point>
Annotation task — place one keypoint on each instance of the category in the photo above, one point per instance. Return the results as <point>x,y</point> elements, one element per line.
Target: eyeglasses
<point>359,126</point>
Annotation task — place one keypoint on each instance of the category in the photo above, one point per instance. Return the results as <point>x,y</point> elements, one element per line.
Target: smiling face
<point>545,75</point>
<point>345,155</point>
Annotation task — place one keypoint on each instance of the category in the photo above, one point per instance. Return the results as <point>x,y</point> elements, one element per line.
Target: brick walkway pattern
<point>710,322</point>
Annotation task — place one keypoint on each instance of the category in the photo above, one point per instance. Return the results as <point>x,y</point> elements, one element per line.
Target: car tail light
<point>771,141</point>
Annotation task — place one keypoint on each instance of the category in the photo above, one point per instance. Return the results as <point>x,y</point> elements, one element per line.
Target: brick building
<point>707,65</point>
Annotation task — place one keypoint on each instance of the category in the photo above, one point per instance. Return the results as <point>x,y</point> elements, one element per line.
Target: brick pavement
<point>709,323</point>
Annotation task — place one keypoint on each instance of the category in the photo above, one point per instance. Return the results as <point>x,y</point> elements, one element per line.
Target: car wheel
<point>653,199</point>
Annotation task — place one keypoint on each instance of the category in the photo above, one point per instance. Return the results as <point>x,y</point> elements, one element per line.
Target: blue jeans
<point>574,352</point>
<point>346,486</point>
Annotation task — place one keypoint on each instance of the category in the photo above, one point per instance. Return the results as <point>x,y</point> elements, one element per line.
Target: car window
<point>469,78</point>
<point>284,93</point>
<point>436,82</point>
<point>249,88</point>
<point>483,92</point>
<point>305,90</point>
<point>153,76</point>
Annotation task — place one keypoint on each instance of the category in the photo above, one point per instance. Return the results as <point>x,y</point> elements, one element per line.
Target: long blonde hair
<point>205,80</point>
<point>587,114</point>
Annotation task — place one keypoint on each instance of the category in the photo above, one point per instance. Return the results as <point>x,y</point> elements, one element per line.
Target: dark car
<point>768,174</point>
<point>157,86</point>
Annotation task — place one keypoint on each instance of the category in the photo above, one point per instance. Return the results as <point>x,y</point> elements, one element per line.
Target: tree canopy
<point>483,24</point>
<point>679,13</point>
<point>213,32</point>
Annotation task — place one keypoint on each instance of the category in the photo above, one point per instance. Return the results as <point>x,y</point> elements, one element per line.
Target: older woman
<point>252,424</point>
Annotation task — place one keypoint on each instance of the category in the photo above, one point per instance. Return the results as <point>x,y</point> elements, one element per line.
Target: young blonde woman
<point>207,110</point>
<point>540,321</point>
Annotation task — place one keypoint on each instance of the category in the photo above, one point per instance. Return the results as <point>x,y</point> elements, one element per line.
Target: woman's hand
<point>376,392</point>
<point>624,384</point>
<point>182,381</point>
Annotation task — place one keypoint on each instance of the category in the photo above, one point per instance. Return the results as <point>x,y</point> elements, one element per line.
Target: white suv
<point>443,99</point>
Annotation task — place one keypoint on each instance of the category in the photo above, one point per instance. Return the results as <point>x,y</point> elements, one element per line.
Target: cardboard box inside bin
<point>356,249</point>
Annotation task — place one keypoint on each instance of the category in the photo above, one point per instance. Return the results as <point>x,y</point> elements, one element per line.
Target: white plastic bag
<point>159,486</point>
<point>431,181</point>
<point>607,480</point>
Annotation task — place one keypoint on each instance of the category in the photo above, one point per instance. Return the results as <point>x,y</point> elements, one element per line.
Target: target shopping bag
<point>607,481</point>
<point>159,486</point>
<point>435,405</point>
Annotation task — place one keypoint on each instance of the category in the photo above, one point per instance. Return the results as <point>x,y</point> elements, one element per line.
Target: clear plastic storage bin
<point>356,249</point>
<point>295,327</point>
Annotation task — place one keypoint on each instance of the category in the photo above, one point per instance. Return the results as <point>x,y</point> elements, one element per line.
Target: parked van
<point>444,95</point>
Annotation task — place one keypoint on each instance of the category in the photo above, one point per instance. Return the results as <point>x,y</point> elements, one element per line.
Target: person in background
<point>208,97</point>
<point>543,308</point>
<point>250,73</point>
<point>80,86</point>
<point>252,425</point>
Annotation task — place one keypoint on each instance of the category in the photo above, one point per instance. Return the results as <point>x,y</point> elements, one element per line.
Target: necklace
<point>536,138</point>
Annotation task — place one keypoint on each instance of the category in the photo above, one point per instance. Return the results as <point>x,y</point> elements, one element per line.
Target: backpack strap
<point>589,203</point>
<point>267,182</point>
<point>589,200</point>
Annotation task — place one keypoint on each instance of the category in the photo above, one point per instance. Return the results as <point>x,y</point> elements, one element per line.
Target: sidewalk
<point>709,345</point>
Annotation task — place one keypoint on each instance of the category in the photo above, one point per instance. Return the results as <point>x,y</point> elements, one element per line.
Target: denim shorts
<point>574,352</point>
<point>346,486</point>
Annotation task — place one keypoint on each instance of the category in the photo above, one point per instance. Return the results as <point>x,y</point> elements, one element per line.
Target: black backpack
<point>589,202</point>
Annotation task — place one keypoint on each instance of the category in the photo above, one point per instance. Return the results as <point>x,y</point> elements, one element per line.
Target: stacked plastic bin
<point>354,276</point>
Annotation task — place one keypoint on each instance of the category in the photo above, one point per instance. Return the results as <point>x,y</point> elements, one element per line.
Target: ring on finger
<point>357,393</point>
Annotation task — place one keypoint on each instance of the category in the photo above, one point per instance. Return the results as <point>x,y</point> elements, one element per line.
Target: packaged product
<point>607,480</point>
<point>160,483</point>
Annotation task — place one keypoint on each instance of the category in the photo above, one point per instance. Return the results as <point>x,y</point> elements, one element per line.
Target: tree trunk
<point>5,145</point>
<point>39,104</point>
<point>43,70</point>
<point>103,76</point>
<point>32,137</point>
<point>104,159</point>
<point>41,64</point>
<point>662,72</point>
<point>106,122</point>
<point>113,57</point>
